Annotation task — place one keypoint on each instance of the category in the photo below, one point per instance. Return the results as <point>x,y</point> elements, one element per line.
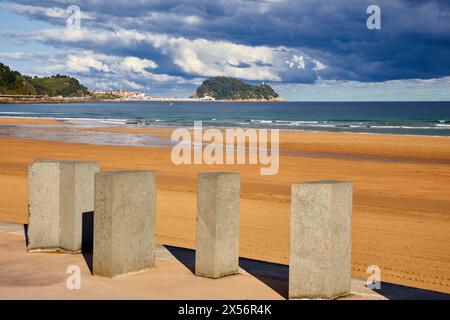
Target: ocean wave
<point>92,119</point>
<point>261,121</point>
<point>367,125</point>
<point>17,112</point>
<point>296,122</point>
<point>402,127</point>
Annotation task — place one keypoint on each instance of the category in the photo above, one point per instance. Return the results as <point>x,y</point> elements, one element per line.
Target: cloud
<point>411,44</point>
<point>191,58</point>
<point>283,41</point>
<point>45,13</point>
<point>85,64</point>
<point>137,65</point>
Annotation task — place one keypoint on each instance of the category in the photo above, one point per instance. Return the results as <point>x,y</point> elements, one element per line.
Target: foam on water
<point>411,118</point>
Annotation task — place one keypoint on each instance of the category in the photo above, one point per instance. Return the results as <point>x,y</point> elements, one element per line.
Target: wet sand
<point>401,217</point>
<point>6,120</point>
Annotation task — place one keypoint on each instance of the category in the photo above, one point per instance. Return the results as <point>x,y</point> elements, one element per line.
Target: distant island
<point>14,83</point>
<point>225,88</point>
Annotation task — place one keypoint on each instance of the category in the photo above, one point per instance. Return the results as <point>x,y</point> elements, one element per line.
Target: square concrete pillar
<point>321,226</point>
<point>124,222</point>
<point>217,239</point>
<point>59,192</point>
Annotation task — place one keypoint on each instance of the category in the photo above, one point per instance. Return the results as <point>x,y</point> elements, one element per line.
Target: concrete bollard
<point>320,253</point>
<point>217,232</point>
<point>124,222</point>
<point>59,192</point>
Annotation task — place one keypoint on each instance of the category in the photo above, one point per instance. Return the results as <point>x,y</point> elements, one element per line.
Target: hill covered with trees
<point>14,83</point>
<point>225,88</point>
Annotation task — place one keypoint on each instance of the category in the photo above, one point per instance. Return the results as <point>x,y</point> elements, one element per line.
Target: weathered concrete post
<point>124,222</point>
<point>59,192</point>
<point>320,254</point>
<point>217,239</point>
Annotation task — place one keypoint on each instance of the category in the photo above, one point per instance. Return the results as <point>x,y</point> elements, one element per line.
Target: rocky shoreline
<point>36,100</point>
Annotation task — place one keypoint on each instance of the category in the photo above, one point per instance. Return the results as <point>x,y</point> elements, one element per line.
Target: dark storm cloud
<point>413,42</point>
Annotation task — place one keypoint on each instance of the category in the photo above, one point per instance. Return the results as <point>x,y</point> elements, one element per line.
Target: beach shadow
<point>87,238</point>
<point>398,292</point>
<point>273,275</point>
<point>25,232</point>
<point>185,256</point>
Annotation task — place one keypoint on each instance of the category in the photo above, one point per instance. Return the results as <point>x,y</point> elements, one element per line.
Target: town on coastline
<point>126,95</point>
<point>119,95</point>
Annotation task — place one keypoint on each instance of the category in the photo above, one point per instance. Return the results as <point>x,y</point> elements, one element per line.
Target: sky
<point>307,50</point>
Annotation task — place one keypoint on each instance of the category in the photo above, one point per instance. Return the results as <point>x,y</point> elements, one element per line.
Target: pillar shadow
<point>87,238</point>
<point>398,292</point>
<point>25,231</point>
<point>185,256</point>
<point>273,275</point>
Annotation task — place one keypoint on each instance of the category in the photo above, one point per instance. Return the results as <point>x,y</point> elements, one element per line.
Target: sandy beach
<point>401,212</point>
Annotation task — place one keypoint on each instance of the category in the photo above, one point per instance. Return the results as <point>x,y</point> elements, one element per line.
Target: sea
<point>407,118</point>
